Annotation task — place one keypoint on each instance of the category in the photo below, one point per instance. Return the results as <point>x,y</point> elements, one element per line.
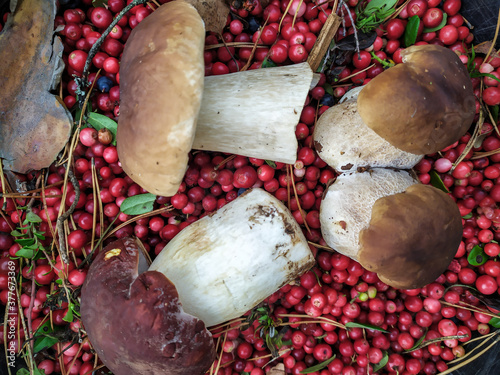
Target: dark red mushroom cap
<point>136,323</point>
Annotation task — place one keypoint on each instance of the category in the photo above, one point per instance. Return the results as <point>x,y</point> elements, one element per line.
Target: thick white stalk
<point>225,264</point>
<point>254,113</point>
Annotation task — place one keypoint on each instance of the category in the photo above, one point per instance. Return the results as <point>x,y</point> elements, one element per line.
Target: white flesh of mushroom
<point>346,143</point>
<point>226,263</point>
<point>254,113</point>
<point>347,205</point>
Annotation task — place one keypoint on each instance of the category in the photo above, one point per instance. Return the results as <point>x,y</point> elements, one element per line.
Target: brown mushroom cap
<point>423,105</point>
<point>412,236</point>
<point>136,323</point>
<point>161,85</point>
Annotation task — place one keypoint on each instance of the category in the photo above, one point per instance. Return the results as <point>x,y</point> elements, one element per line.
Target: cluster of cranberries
<point>337,289</point>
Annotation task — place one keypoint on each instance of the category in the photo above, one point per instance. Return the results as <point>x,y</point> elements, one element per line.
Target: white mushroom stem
<point>254,113</point>
<point>347,206</point>
<point>225,264</point>
<point>346,143</point>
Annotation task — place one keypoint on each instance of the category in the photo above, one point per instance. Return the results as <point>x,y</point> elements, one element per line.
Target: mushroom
<point>412,109</point>
<point>134,319</point>
<point>167,107</point>
<point>225,264</point>
<point>405,231</point>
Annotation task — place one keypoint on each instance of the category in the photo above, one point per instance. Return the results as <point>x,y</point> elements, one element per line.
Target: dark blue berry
<point>104,84</point>
<point>327,100</point>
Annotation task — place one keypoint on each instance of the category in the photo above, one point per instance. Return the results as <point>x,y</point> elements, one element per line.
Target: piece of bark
<point>34,124</point>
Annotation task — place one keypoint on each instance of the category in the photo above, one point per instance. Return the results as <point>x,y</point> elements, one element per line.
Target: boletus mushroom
<point>405,231</point>
<point>167,107</point>
<point>415,108</point>
<point>226,263</point>
<point>134,319</point>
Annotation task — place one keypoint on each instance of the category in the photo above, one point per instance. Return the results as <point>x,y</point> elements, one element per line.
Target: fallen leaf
<point>34,124</point>
<point>213,12</point>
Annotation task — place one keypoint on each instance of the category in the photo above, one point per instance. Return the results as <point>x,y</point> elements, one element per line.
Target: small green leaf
<point>268,63</point>
<point>362,325</point>
<point>24,241</point>
<point>39,235</point>
<point>16,233</point>
<point>477,256</point>
<point>494,322</point>
<point>99,122</point>
<point>478,74</point>
<point>494,112</point>
<point>69,315</point>
<point>319,366</point>
<point>138,204</point>
<point>99,3</point>
<point>437,182</point>
<point>468,216</point>
<point>43,337</point>
<point>411,31</point>
<point>25,253</point>
<point>271,163</point>
<point>417,344</point>
<point>328,88</point>
<point>382,363</point>
<point>23,371</point>
<point>32,217</point>
<point>438,27</point>
<point>470,62</point>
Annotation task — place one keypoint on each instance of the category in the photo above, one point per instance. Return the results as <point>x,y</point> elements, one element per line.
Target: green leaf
<point>411,31</point>
<point>138,204</point>
<point>328,88</point>
<point>438,27</point>
<point>25,253</point>
<point>23,371</point>
<point>382,363</point>
<point>468,216</point>
<point>99,3</point>
<point>437,182</point>
<point>417,344</point>
<point>69,315</point>
<point>494,112</point>
<point>32,217</point>
<point>268,63</point>
<point>319,366</point>
<point>39,235</point>
<point>16,233</point>
<point>494,322</point>
<point>43,337</point>
<point>470,62</point>
<point>24,241</point>
<point>477,256</point>
<point>478,74</point>
<point>99,122</point>
<point>362,325</point>
<point>271,163</point>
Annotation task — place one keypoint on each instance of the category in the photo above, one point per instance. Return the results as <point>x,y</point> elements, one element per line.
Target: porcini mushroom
<point>225,264</point>
<point>423,105</point>
<point>412,109</point>
<point>165,100</point>
<point>405,231</point>
<point>345,143</point>
<point>134,319</point>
